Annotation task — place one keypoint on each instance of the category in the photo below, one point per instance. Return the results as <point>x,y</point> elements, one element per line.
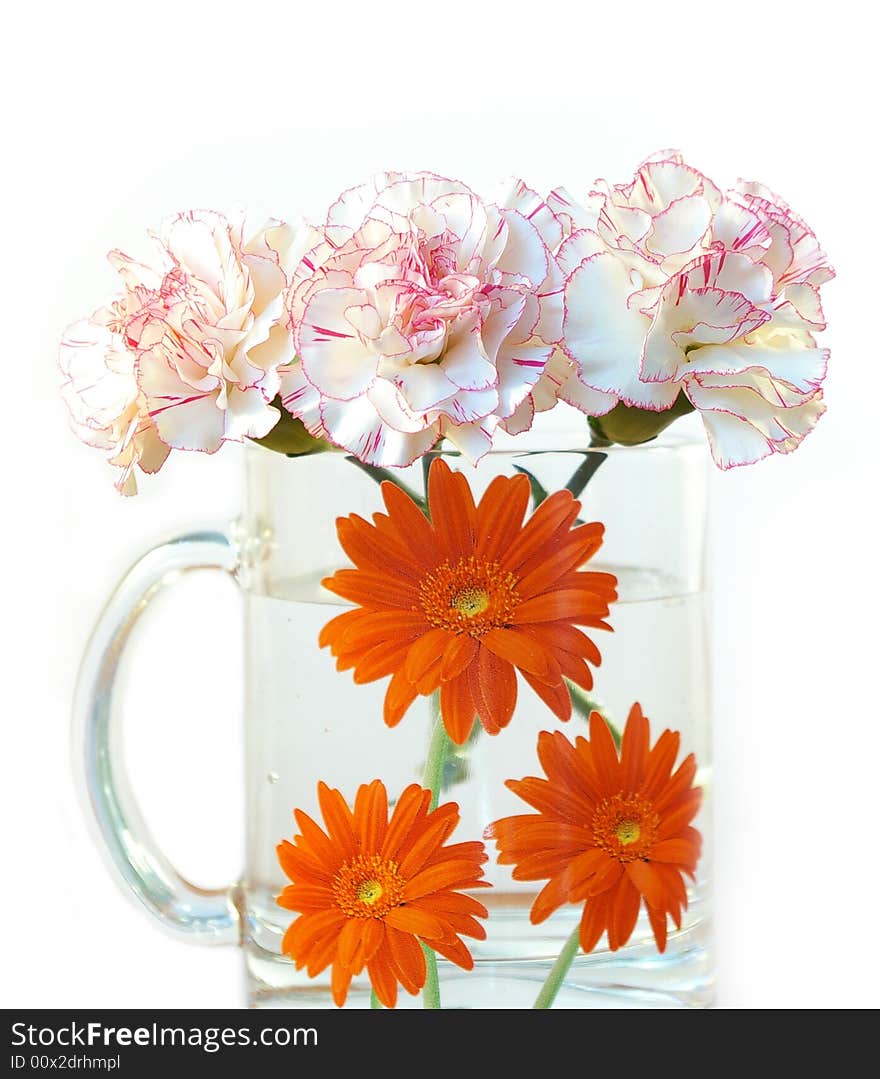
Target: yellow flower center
<point>628,831</point>
<point>368,887</point>
<point>471,596</point>
<point>471,602</point>
<point>370,892</point>
<point>625,826</point>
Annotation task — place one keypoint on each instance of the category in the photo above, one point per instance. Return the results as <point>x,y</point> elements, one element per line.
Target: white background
<point>116,114</point>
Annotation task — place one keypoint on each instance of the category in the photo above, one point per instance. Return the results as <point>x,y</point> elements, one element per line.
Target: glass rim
<point>542,437</point>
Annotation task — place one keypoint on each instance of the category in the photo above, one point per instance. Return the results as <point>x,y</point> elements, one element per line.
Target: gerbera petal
<point>648,881</point>
<point>382,979</point>
<point>607,876</point>
<point>339,983</point>
<point>550,898</point>
<point>678,818</point>
<point>411,805</point>
<point>416,921</point>
<point>676,852</point>
<point>351,946</point>
<point>433,834</point>
<point>398,697</point>
<point>594,920</point>
<point>557,698</point>
<point>634,750</point>
<point>457,708</point>
<point>455,951</point>
<point>547,518</point>
<point>377,662</point>
<point>409,959</point>
<point>519,649</point>
<point>424,652</point>
<point>414,527</point>
<point>378,627</point>
<point>370,550</point>
<point>335,629</point>
<point>657,918</point>
<point>314,840</point>
<point>579,545</point>
<point>492,683</point>
<point>434,878</point>
<point>444,903</point>
<point>680,783</point>
<point>338,817</point>
<point>604,753</point>
<point>321,954</point>
<point>575,670</point>
<point>371,816</point>
<point>305,897</point>
<point>374,591</point>
<point>624,914</point>
<point>373,937</point>
<point>500,514</point>
<point>457,656</point>
<point>309,927</point>
<point>660,762</point>
<point>585,869</point>
<point>673,882</point>
<point>298,863</point>
<point>566,766</point>
<point>563,637</point>
<point>573,604</point>
<point>453,513</point>
<point>556,801</point>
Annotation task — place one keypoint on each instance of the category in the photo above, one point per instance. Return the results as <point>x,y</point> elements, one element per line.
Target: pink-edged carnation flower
<point>422,312</point>
<point>187,356</point>
<point>107,408</point>
<point>673,286</point>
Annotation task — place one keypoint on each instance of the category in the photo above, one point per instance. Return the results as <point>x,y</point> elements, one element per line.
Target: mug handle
<point>199,915</point>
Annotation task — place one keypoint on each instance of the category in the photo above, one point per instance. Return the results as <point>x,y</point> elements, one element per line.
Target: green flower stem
<point>381,475</point>
<point>584,473</point>
<point>431,992</point>
<point>374,1000</point>
<point>584,705</point>
<point>438,751</point>
<point>560,968</point>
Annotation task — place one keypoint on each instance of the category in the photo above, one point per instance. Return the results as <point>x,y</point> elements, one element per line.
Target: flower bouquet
<point>462,474</point>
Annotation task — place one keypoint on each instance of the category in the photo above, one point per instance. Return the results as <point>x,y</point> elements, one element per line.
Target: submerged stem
<point>558,971</point>
<point>431,992</point>
<point>438,750</point>
<point>585,472</point>
<point>382,475</point>
<point>584,705</point>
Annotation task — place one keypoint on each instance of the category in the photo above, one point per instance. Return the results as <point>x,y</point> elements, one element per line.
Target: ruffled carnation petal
<point>414,281</point>
<point>684,287</point>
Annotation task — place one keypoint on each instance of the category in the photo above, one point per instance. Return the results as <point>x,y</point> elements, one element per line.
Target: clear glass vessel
<point>305,721</point>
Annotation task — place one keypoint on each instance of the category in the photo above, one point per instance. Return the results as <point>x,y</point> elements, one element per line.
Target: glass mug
<point>305,721</point>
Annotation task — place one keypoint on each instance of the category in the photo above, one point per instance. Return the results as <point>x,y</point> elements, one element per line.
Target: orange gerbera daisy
<point>461,600</point>
<point>609,832</point>
<point>368,889</point>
